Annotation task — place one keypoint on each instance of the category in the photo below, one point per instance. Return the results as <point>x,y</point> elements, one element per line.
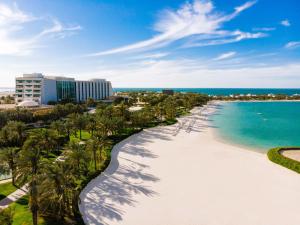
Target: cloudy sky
<point>161,43</point>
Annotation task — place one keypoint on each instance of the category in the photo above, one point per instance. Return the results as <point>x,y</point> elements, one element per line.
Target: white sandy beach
<point>182,175</point>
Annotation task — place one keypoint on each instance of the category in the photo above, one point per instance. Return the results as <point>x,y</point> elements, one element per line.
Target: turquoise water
<point>220,91</point>
<point>209,91</point>
<point>259,125</point>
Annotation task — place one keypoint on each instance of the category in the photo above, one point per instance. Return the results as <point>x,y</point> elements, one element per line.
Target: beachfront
<point>182,174</point>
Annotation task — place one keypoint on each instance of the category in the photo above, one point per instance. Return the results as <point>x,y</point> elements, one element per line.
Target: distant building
<point>43,89</point>
<point>168,91</point>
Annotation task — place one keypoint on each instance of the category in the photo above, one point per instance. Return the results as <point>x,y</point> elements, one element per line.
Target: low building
<point>168,91</point>
<point>43,89</point>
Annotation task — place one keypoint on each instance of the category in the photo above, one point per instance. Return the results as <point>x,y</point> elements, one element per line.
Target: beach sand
<point>292,154</point>
<point>183,175</point>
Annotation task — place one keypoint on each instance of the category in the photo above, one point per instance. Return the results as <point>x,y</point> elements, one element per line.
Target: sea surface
<point>259,125</point>
<point>209,91</point>
<point>219,91</point>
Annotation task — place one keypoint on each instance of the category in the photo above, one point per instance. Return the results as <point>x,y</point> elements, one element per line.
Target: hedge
<point>275,156</point>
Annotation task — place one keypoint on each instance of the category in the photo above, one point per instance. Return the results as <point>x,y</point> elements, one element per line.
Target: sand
<point>182,175</point>
<point>292,154</point>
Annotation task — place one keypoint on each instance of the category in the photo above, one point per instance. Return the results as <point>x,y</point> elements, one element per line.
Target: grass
<point>22,214</point>
<point>84,136</point>
<point>6,189</point>
<point>275,156</point>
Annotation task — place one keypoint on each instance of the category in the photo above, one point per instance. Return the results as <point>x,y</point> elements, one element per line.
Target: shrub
<point>275,156</point>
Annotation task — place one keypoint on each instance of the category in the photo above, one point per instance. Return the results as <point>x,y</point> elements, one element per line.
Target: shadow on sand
<point>118,185</point>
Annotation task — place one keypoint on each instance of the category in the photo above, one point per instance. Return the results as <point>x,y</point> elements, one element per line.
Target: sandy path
<point>182,175</point>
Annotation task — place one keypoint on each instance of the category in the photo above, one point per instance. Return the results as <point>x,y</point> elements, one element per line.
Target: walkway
<point>4,203</point>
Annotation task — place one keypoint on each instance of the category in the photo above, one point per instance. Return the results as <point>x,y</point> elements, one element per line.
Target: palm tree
<point>79,122</point>
<point>13,133</point>
<point>58,126</point>
<point>92,147</point>
<point>103,143</point>
<point>159,111</point>
<point>9,156</point>
<point>53,194</point>
<point>77,158</point>
<point>68,127</point>
<point>91,124</point>
<point>29,166</point>
<point>49,140</point>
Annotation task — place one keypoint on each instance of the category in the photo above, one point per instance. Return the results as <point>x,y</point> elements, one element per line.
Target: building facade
<point>43,89</point>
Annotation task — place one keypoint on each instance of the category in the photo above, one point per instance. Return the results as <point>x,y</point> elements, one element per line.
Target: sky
<point>161,43</point>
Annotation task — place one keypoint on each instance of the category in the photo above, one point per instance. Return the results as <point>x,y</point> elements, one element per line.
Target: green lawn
<point>22,214</point>
<point>84,136</point>
<point>6,189</point>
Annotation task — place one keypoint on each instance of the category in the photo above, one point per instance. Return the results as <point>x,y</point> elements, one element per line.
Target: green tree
<point>13,133</point>
<point>79,122</point>
<point>9,156</point>
<point>77,158</point>
<point>6,216</point>
<point>92,148</point>
<point>28,171</point>
<point>49,140</point>
<point>54,190</point>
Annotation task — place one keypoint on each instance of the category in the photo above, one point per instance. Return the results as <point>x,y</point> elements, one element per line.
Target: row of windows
<point>65,90</point>
<point>29,81</point>
<point>28,95</point>
<point>95,90</point>
<point>28,86</point>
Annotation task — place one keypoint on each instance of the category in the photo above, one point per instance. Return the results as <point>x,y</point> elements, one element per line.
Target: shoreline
<point>183,175</point>
<point>218,137</point>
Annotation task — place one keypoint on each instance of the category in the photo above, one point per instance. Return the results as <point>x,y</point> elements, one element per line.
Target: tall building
<point>43,89</point>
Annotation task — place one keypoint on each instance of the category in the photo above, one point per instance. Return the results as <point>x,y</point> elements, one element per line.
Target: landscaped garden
<point>70,148</point>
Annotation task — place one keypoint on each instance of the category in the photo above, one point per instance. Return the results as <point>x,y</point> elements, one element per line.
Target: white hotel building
<point>43,89</point>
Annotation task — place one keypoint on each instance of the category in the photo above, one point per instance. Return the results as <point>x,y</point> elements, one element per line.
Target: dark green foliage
<point>275,156</point>
<point>6,216</point>
<point>84,143</point>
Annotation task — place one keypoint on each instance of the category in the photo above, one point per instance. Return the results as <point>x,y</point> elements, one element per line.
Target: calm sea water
<point>219,91</point>
<point>209,91</point>
<point>259,125</point>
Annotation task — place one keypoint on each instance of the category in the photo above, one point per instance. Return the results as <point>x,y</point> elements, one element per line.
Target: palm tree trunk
<point>13,177</point>
<point>34,205</point>
<point>95,160</point>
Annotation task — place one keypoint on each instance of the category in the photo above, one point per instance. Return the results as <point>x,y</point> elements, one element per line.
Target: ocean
<point>209,91</point>
<point>259,125</point>
<point>219,91</point>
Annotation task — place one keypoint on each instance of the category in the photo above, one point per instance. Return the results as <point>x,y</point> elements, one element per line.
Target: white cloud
<point>264,29</point>
<point>292,45</point>
<point>156,55</point>
<point>198,73</point>
<point>226,55</point>
<point>13,21</point>
<point>191,19</point>
<point>223,38</point>
<point>285,23</point>
<point>11,15</point>
<point>245,6</point>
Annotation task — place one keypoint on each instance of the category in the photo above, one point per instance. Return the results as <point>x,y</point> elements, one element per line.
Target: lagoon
<point>259,125</point>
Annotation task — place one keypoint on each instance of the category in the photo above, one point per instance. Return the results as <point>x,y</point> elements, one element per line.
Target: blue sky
<point>170,43</point>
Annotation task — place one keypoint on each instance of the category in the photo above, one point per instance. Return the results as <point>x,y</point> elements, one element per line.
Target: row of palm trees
<point>56,162</point>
